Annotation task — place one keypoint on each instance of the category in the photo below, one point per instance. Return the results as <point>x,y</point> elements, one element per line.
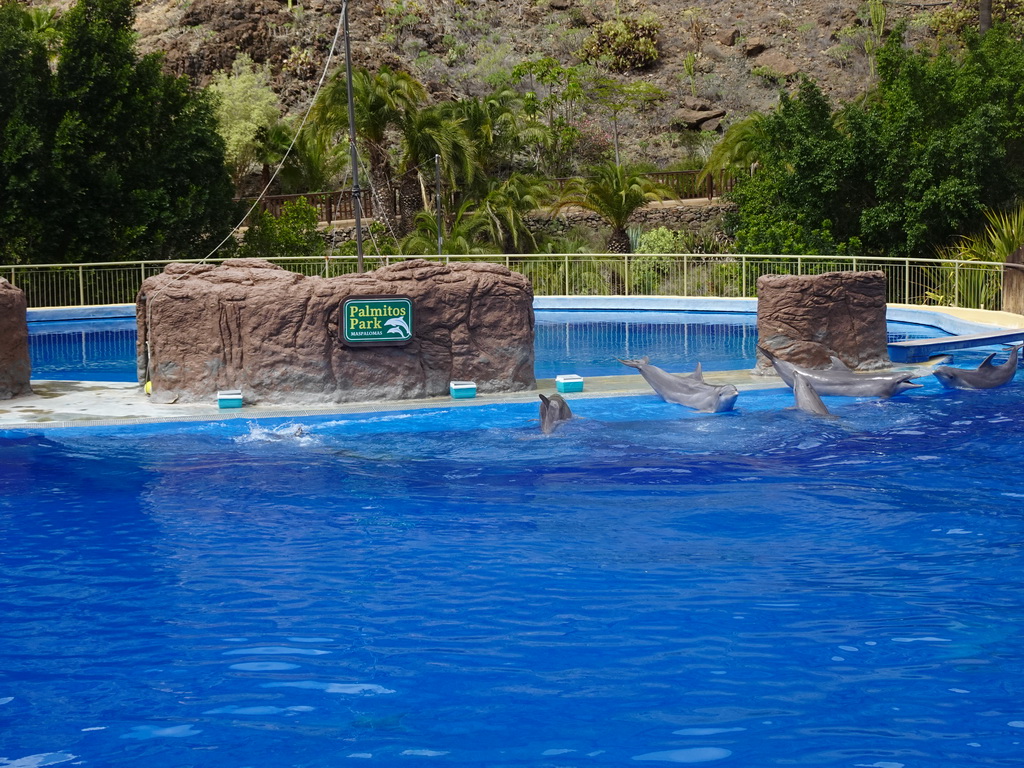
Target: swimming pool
<point>586,343</point>
<point>646,586</point>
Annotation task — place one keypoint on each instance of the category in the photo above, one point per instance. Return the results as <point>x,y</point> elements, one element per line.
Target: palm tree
<point>380,103</point>
<point>613,192</point>
<point>739,150</point>
<point>428,133</point>
<point>494,127</point>
<point>465,234</point>
<point>315,163</point>
<point>505,208</point>
<point>45,25</point>
<point>269,147</point>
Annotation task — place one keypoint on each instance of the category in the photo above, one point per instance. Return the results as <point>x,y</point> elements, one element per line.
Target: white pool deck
<point>92,403</point>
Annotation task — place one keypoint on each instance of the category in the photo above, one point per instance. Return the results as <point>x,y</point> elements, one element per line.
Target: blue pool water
<point>585,343</point>
<point>646,586</point>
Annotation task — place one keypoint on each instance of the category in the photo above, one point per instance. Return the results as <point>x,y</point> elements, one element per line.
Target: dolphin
<point>398,325</point>
<point>807,399</point>
<point>985,376</point>
<point>690,390</point>
<point>553,411</point>
<point>840,380</point>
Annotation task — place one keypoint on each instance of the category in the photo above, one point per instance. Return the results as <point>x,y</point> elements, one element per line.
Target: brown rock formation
<point>274,334</point>
<point>806,319</point>
<point>15,366</point>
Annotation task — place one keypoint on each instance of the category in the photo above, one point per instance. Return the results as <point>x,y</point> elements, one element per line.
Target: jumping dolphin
<point>398,325</point>
<point>985,376</point>
<point>840,380</point>
<point>553,411</point>
<point>689,390</point>
<point>807,399</point>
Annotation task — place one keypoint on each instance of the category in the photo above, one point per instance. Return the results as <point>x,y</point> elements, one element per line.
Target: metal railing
<point>968,284</point>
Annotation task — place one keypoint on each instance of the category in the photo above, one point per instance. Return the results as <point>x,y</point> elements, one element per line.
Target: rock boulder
<point>274,334</point>
<point>806,319</point>
<point>15,365</point>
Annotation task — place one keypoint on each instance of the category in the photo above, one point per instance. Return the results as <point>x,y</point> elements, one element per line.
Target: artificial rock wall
<point>806,319</point>
<point>250,325</point>
<point>15,365</point>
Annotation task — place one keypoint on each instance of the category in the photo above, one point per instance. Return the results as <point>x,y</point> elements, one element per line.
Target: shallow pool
<point>647,586</point>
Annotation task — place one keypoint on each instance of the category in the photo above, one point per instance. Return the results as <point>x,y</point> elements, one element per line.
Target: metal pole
<point>437,195</point>
<point>354,155</point>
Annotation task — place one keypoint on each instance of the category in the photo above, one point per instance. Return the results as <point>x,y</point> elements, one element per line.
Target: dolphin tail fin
<point>633,363</point>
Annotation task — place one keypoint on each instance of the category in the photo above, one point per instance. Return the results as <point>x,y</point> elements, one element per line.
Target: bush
<point>293,235</point>
<point>623,44</point>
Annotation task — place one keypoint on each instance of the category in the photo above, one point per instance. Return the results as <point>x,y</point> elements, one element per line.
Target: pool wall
<point>949,319</point>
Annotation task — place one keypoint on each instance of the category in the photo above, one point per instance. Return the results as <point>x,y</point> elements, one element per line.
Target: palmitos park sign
<point>377,320</point>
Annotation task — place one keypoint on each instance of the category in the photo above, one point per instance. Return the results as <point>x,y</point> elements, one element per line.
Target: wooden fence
<point>330,206</point>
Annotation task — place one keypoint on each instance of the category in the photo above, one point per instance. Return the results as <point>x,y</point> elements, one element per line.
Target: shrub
<point>294,234</point>
<point>623,44</point>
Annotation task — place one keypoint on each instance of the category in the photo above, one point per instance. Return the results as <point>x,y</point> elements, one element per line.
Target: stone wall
<point>15,365</point>
<point>695,216</point>
<point>806,319</point>
<point>274,334</point>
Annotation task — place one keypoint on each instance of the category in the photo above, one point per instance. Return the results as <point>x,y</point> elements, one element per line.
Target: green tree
<point>25,112</point>
<point>552,105</point>
<point>739,149</point>
<point>246,105</point>
<point>804,185</point>
<point>900,172</point>
<point>132,165</point>
<point>615,97</point>
<point>614,192</point>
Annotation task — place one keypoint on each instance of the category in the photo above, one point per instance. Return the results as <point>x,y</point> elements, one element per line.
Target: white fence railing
<point>969,284</point>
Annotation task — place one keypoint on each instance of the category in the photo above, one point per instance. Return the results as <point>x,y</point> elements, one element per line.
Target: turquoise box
<point>569,383</point>
<point>229,398</point>
<point>462,389</point>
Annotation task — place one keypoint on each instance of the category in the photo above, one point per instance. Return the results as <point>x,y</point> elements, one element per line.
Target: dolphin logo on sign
<point>399,326</point>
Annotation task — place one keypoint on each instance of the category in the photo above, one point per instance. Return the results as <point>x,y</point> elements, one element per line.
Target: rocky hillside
<point>719,59</point>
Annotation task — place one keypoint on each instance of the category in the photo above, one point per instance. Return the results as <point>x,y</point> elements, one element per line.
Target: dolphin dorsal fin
<point>544,399</point>
<point>987,362</point>
<point>838,365</point>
